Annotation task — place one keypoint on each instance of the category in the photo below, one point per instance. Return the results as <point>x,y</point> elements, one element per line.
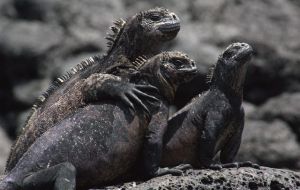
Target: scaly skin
<point>214,120</point>
<point>101,141</point>
<point>141,35</point>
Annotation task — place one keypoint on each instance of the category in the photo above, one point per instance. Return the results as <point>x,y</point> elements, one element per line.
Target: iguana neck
<point>132,47</point>
<point>165,87</point>
<point>166,91</point>
<point>230,82</point>
<point>128,51</point>
<point>234,93</point>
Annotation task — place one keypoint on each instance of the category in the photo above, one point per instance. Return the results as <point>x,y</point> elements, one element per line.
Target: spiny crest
<point>165,56</point>
<point>210,74</point>
<point>139,62</point>
<point>116,29</point>
<point>130,67</point>
<point>60,80</point>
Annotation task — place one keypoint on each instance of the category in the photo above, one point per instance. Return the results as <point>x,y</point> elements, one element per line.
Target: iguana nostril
<point>193,64</point>
<point>174,16</point>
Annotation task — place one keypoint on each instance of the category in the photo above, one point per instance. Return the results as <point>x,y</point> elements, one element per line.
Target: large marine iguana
<point>101,141</point>
<point>140,35</point>
<point>211,122</point>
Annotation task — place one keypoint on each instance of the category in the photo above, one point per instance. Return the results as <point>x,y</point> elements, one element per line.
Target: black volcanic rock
<point>242,178</point>
<point>270,144</point>
<point>285,107</point>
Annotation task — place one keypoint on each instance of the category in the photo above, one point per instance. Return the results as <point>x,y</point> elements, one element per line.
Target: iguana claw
<point>166,170</point>
<point>176,171</point>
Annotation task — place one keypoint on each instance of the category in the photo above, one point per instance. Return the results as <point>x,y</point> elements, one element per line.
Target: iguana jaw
<point>169,30</point>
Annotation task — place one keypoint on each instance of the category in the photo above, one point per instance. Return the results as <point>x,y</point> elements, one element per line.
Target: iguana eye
<point>177,63</point>
<point>155,17</point>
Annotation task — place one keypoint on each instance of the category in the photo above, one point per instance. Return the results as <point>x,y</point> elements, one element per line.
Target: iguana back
<point>100,141</point>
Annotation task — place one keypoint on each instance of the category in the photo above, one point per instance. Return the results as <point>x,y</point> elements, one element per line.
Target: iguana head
<point>168,70</point>
<point>158,24</point>
<point>144,33</point>
<point>231,67</point>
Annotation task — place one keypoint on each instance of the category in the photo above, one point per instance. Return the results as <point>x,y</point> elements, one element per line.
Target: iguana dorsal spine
<point>210,74</point>
<point>61,80</point>
<point>117,29</point>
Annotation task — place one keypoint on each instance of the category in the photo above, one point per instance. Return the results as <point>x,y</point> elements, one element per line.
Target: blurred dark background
<point>42,39</point>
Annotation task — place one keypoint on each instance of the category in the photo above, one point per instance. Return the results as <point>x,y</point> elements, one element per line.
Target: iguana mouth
<point>189,70</point>
<point>169,28</point>
<point>245,54</point>
<point>188,74</point>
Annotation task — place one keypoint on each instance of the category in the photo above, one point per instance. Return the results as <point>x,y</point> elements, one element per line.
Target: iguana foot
<point>241,164</point>
<point>166,170</point>
<point>105,86</point>
<point>176,171</point>
<point>183,167</point>
<point>140,94</point>
<point>234,165</point>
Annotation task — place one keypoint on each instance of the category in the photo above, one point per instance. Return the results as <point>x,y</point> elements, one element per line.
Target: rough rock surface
<point>270,144</point>
<point>242,178</point>
<point>285,107</point>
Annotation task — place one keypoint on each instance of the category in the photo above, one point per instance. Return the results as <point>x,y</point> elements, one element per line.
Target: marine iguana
<point>101,141</point>
<point>211,122</point>
<point>140,35</point>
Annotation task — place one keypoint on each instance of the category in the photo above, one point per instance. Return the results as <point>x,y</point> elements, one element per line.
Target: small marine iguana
<point>210,123</point>
<point>140,35</point>
<point>101,141</point>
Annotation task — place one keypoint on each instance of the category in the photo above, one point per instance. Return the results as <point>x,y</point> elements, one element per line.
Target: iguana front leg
<point>213,123</point>
<point>101,86</point>
<point>154,144</point>
<point>231,148</point>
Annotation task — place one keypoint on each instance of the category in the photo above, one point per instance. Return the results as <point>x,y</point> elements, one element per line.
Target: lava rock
<point>242,178</point>
<point>270,144</point>
<point>285,107</point>
<point>25,38</point>
<point>27,93</point>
